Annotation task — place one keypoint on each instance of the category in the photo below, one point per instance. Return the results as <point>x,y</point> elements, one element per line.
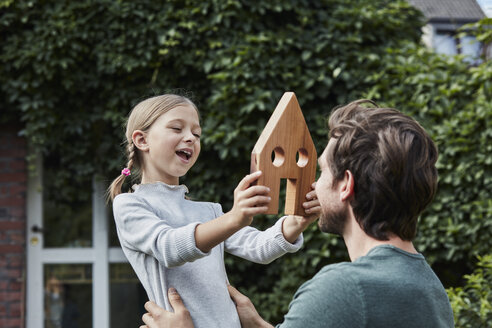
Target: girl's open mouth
<point>184,154</point>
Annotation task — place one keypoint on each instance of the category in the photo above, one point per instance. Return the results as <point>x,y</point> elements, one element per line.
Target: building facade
<point>13,189</point>
<point>60,266</point>
<point>444,19</point>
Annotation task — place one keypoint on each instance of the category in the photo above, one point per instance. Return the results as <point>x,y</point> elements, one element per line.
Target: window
<point>77,274</point>
<point>446,42</point>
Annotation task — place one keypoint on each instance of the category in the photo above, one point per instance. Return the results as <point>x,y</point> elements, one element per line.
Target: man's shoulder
<point>346,277</point>
<point>383,290</point>
<point>338,276</point>
<point>331,298</point>
<point>340,270</point>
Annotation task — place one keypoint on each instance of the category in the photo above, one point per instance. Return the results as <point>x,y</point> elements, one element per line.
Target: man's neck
<point>359,243</point>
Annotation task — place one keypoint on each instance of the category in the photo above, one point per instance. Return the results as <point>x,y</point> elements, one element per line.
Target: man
<point>377,176</point>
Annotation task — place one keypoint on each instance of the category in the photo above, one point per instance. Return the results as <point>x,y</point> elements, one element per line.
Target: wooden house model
<point>285,150</point>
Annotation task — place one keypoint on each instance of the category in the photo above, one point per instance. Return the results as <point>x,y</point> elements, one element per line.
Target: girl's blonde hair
<point>142,116</point>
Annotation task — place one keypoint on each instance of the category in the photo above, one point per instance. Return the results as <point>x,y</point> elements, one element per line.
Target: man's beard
<point>334,221</point>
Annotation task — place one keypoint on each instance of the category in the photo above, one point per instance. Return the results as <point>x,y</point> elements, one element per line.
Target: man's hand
<point>246,310</point>
<point>160,318</point>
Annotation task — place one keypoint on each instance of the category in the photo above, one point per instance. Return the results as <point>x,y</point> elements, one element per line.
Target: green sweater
<point>386,288</point>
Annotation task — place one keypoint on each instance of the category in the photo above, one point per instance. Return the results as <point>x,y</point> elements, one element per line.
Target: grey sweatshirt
<point>156,227</point>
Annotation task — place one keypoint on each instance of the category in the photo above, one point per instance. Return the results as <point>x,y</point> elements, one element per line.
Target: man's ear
<point>140,140</point>
<point>347,186</point>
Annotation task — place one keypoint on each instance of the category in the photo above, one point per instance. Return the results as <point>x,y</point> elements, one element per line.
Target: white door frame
<point>99,255</point>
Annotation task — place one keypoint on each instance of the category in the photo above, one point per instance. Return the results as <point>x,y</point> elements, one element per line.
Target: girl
<point>171,241</point>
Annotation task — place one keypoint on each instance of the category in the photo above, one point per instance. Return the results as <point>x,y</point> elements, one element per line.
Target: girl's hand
<point>312,206</point>
<point>249,200</point>
<point>293,225</point>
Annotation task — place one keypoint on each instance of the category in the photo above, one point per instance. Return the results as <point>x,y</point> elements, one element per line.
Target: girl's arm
<point>141,230</point>
<point>283,237</point>
<point>293,225</point>
<point>261,246</point>
<point>248,201</point>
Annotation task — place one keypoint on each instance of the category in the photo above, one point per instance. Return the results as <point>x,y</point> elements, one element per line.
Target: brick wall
<point>13,189</point>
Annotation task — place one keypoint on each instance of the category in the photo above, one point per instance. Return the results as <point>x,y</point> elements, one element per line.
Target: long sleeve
<point>260,246</point>
<point>142,230</point>
<point>156,226</point>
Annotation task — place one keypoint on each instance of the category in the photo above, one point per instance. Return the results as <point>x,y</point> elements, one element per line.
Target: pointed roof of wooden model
<point>287,115</point>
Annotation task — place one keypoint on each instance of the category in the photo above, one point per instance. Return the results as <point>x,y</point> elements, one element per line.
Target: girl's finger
<point>313,211</point>
<point>254,191</point>
<point>312,203</point>
<point>252,211</point>
<point>256,201</point>
<point>311,195</point>
<point>248,180</point>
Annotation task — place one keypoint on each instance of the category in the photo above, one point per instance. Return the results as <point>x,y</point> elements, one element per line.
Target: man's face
<point>334,212</point>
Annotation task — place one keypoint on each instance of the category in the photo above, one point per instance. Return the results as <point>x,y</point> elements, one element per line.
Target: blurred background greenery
<point>71,71</point>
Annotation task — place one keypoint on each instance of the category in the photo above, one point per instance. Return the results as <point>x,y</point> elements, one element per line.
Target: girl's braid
<point>132,155</point>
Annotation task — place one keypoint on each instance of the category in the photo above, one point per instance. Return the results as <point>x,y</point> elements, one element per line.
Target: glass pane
<point>471,48</point>
<point>68,296</point>
<point>67,207</point>
<point>445,43</point>
<point>127,297</point>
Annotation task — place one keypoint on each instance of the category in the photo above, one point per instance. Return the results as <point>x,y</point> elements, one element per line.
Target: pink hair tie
<point>126,171</point>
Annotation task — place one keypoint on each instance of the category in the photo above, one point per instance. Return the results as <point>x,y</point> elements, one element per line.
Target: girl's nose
<point>190,137</point>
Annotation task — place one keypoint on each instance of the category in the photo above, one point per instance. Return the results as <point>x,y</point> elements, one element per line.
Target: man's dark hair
<point>392,159</point>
